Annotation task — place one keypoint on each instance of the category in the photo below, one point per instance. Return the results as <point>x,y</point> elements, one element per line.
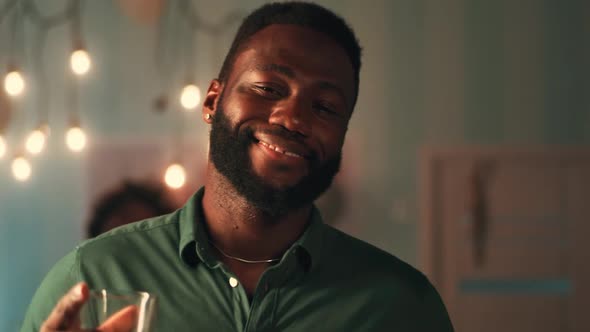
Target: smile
<point>280,150</point>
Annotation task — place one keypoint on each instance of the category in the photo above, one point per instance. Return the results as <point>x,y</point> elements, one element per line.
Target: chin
<point>281,181</point>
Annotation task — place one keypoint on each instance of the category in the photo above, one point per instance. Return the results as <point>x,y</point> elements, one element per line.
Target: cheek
<point>332,140</point>
<point>242,109</point>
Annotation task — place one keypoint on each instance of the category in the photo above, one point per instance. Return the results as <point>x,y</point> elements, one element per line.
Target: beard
<point>229,154</point>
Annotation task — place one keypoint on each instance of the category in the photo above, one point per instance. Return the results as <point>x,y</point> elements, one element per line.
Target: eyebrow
<point>272,67</point>
<point>330,86</point>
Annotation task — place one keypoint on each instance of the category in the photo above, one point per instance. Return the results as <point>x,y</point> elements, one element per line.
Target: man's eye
<point>267,90</point>
<point>325,109</point>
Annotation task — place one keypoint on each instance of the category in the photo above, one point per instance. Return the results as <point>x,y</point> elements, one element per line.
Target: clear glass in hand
<point>103,305</point>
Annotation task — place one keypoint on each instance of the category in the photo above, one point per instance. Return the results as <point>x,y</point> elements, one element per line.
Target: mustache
<point>280,132</point>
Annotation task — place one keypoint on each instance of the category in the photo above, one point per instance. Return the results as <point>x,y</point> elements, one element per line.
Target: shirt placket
<point>265,299</point>
<point>238,299</point>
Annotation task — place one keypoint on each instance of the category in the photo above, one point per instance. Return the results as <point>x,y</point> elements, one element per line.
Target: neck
<point>242,230</point>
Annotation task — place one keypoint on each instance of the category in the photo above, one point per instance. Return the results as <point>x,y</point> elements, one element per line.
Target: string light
<point>76,138</point>
<point>190,97</point>
<point>175,176</point>
<point>21,169</point>
<point>3,146</point>
<point>14,83</point>
<point>80,62</point>
<point>35,142</point>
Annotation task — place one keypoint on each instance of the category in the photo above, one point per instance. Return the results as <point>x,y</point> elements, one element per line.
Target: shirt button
<point>233,282</point>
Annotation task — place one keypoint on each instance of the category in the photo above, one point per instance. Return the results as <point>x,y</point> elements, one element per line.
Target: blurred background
<point>467,155</point>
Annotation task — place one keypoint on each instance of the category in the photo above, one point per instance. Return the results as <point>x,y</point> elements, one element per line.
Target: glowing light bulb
<point>21,169</point>
<point>190,97</point>
<point>3,147</point>
<point>175,176</point>
<point>76,139</point>
<point>14,83</point>
<point>36,141</point>
<point>80,62</point>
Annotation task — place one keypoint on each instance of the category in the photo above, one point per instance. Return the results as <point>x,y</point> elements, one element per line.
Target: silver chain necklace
<point>247,261</point>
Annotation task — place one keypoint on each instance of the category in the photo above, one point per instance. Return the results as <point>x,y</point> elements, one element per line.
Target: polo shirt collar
<point>194,242</point>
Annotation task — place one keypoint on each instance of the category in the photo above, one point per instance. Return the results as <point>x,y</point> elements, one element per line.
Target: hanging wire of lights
<point>174,174</point>
<point>5,105</point>
<point>75,136</point>
<point>37,138</point>
<point>14,82</point>
<point>80,63</point>
<point>185,19</point>
<point>190,95</point>
<point>16,75</point>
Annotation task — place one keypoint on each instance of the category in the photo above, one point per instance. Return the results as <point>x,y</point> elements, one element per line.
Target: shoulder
<point>98,258</point>
<point>62,276</point>
<point>128,248</point>
<point>344,252</point>
<point>120,258</point>
<point>388,285</point>
<point>147,232</point>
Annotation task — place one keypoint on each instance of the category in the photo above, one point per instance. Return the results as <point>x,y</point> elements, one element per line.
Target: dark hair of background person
<point>303,14</point>
<point>131,201</point>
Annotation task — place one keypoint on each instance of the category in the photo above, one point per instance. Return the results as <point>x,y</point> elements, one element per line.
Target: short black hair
<point>303,14</point>
<point>109,204</point>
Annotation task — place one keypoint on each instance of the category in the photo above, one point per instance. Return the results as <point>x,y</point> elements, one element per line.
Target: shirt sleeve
<point>58,281</point>
<point>436,317</point>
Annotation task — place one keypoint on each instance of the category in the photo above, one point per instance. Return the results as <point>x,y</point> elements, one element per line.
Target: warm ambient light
<point>3,147</point>
<point>21,169</point>
<point>80,62</point>
<point>190,97</point>
<point>14,83</point>
<point>175,176</point>
<point>76,139</point>
<point>36,141</point>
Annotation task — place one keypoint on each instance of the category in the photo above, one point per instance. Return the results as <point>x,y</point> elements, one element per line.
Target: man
<point>249,251</point>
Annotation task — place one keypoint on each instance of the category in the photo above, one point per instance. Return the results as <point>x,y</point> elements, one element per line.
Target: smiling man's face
<point>282,116</point>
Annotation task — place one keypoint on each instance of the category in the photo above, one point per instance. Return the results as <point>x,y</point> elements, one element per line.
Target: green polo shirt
<point>326,281</point>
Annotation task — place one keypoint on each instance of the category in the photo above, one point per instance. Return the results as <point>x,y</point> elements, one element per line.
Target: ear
<point>211,100</point>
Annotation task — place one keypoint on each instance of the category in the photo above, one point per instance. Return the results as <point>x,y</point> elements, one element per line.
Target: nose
<point>293,114</point>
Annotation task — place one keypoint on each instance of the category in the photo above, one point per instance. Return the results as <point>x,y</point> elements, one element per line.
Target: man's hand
<point>65,315</point>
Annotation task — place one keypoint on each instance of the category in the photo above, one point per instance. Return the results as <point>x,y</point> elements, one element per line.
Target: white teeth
<point>292,154</point>
<point>279,150</point>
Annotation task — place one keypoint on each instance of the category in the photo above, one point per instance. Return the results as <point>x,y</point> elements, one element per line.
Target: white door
<point>505,237</point>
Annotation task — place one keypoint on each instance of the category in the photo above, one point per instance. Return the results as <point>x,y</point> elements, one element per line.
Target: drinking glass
<point>102,304</point>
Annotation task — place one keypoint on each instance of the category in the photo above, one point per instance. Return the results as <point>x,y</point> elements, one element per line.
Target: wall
<point>450,72</point>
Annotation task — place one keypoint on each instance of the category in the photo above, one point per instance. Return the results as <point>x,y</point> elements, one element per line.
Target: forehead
<point>309,53</point>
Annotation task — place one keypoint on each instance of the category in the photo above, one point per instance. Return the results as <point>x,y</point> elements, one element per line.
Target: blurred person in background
<point>249,251</point>
<point>129,202</point>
